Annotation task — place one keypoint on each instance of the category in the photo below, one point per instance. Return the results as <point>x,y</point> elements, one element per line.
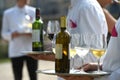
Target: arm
<point>91,67</point>
<point>109,18</point>
<point>49,57</point>
<point>6,33</point>
<point>111,21</point>
<point>93,20</point>
<point>17,34</point>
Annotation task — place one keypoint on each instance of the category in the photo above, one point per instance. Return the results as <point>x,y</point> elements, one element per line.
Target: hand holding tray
<point>40,55</point>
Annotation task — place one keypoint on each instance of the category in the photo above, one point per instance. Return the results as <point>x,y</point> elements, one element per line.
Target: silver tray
<point>75,73</point>
<point>36,52</point>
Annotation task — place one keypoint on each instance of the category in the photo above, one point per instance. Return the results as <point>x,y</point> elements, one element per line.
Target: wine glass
<point>52,28</point>
<point>83,46</point>
<point>73,43</point>
<point>98,47</point>
<point>72,54</point>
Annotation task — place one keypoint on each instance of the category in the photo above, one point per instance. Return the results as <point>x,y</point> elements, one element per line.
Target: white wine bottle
<point>37,33</point>
<point>62,60</point>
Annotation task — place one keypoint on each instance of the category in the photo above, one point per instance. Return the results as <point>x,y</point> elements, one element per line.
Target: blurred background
<point>56,9</point>
<point>50,10</point>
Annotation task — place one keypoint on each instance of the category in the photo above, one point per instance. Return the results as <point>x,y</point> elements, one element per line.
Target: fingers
<point>27,34</point>
<point>15,34</point>
<point>83,66</point>
<point>89,67</point>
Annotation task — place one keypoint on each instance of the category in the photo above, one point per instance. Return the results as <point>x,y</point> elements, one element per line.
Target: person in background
<point>87,13</point>
<point>109,18</point>
<point>110,24</point>
<point>109,64</point>
<point>85,17</point>
<point>16,29</point>
<point>111,7</point>
<point>114,8</point>
<point>111,58</point>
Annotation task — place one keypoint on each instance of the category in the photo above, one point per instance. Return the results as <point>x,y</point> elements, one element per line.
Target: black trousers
<point>17,66</point>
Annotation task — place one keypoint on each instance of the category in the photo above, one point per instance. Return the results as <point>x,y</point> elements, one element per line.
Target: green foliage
<point>3,49</point>
<point>3,60</point>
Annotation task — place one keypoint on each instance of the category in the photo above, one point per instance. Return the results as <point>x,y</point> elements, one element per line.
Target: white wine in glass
<point>72,52</point>
<point>98,47</point>
<point>98,52</point>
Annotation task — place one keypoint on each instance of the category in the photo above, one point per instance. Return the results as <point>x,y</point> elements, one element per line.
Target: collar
<point>74,2</point>
<point>21,9</point>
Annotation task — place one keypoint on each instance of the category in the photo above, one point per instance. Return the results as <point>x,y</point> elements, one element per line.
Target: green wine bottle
<point>37,33</point>
<point>62,61</point>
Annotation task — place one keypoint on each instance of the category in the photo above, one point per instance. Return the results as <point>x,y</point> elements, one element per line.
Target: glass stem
<point>82,58</point>
<point>73,63</point>
<point>98,65</point>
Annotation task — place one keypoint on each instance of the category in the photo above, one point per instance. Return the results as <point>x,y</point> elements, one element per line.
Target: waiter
<point>16,29</point>
<point>86,17</point>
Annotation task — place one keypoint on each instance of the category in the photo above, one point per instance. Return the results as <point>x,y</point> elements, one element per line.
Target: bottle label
<point>58,50</point>
<point>35,35</point>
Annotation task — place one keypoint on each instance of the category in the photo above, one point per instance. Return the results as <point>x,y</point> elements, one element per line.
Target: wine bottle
<point>62,61</point>
<point>37,33</point>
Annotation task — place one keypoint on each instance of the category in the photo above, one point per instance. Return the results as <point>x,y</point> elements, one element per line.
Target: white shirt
<point>88,17</point>
<point>85,16</point>
<point>17,19</point>
<point>111,62</point>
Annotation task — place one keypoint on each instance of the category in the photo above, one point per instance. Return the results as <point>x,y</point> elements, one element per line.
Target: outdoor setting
<point>59,39</point>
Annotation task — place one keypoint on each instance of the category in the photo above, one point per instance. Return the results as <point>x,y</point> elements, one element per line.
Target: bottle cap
<point>37,13</point>
<point>63,21</point>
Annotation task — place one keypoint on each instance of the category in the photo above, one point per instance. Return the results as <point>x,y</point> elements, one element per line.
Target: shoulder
<point>88,5</point>
<point>30,8</point>
<point>92,6</point>
<point>9,11</point>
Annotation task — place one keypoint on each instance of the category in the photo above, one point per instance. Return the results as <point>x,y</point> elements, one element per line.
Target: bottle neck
<point>37,14</point>
<point>37,18</point>
<point>63,23</point>
<point>63,29</point>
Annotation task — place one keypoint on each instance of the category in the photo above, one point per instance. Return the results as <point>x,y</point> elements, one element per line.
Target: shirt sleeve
<point>6,33</point>
<point>93,19</point>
